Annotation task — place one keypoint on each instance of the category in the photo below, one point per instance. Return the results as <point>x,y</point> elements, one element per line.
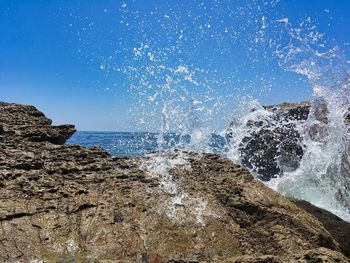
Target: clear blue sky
<point>64,56</point>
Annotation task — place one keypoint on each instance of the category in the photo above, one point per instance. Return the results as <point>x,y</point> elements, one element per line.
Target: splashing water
<point>176,70</point>
<point>195,68</point>
<point>179,206</point>
<point>323,176</point>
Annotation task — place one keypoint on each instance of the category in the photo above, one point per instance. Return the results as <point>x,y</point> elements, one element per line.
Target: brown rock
<point>26,123</point>
<point>338,228</point>
<point>63,203</point>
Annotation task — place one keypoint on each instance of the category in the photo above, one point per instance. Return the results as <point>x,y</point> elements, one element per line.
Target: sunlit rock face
<point>61,203</point>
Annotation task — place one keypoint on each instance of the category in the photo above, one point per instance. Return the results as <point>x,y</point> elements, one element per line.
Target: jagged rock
<point>26,123</point>
<point>272,150</point>
<point>291,111</point>
<point>61,203</point>
<point>274,145</point>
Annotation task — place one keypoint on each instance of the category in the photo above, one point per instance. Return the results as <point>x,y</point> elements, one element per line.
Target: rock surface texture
<point>66,203</point>
<point>338,228</point>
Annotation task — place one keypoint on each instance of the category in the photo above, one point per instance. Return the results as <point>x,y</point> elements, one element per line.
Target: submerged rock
<point>61,203</point>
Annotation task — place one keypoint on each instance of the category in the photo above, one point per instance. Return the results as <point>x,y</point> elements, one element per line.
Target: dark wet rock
<point>272,150</point>
<point>274,144</point>
<point>66,203</point>
<point>291,111</point>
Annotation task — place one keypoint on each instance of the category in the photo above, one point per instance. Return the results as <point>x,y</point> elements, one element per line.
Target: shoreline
<point>67,203</point>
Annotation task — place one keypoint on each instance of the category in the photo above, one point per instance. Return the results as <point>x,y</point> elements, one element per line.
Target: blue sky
<point>67,57</point>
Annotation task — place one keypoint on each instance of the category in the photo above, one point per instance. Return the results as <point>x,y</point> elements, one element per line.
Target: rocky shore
<point>67,203</point>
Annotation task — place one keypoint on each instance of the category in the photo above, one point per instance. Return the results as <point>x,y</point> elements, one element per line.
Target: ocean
<point>124,144</point>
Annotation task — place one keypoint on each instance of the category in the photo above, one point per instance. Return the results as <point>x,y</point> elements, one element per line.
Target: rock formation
<point>67,203</point>
<point>273,144</point>
<point>25,123</point>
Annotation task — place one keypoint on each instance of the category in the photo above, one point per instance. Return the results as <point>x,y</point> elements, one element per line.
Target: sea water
<point>123,144</point>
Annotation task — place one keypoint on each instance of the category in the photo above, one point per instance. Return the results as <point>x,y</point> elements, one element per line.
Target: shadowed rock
<point>61,203</point>
<point>338,228</point>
